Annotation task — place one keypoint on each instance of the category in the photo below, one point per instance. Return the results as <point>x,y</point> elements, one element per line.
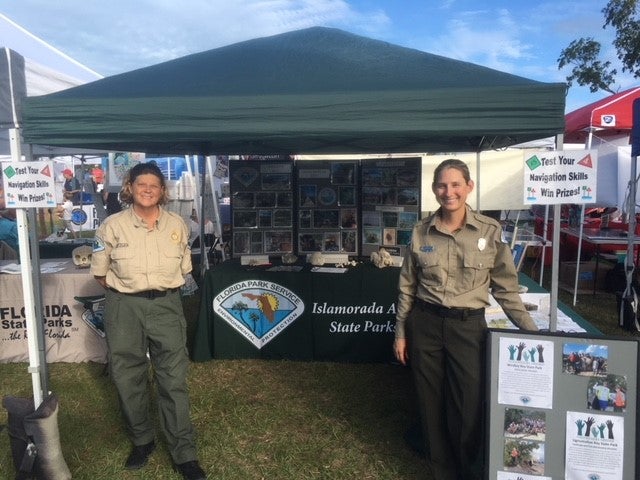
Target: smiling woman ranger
<point>455,255</point>
<point>140,257</point>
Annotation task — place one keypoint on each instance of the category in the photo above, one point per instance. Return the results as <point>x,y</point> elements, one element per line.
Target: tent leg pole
<point>575,283</point>
<point>32,315</point>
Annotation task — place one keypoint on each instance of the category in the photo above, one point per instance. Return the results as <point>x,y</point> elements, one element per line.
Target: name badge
<point>426,248</point>
<point>482,244</point>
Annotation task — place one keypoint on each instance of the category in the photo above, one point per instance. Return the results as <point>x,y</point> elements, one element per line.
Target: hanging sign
<point>559,177</point>
<point>29,184</point>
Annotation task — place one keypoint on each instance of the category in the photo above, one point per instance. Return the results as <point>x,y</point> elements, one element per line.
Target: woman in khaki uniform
<point>455,255</point>
<point>140,257</point>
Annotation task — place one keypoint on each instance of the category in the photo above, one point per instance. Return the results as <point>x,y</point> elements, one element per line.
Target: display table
<point>255,313</point>
<point>68,336</point>
<point>63,248</point>
<point>608,240</point>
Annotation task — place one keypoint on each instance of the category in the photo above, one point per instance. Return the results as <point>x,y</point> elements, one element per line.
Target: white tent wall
<point>499,182</point>
<point>42,69</point>
<point>624,167</point>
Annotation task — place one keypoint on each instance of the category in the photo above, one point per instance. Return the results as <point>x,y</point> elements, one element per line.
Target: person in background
<point>455,255</point>
<point>9,228</point>
<point>72,185</point>
<point>66,212</point>
<point>141,256</point>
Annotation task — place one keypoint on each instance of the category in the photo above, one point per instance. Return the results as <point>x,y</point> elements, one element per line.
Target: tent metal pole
<point>32,316</point>
<point>37,287</point>
<point>555,258</point>
<point>581,227</point>
<point>545,237</point>
<point>216,208</point>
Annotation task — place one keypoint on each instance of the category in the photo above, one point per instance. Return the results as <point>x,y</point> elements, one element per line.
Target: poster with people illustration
<point>526,372</point>
<point>594,446</point>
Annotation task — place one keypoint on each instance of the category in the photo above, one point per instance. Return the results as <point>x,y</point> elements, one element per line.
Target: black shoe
<point>190,470</point>
<point>139,456</point>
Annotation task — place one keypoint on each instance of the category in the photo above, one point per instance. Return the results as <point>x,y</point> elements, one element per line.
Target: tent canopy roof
<point>611,115</point>
<point>317,90</point>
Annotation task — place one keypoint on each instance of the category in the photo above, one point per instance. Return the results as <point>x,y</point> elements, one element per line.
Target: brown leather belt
<point>150,294</point>
<point>446,312</point>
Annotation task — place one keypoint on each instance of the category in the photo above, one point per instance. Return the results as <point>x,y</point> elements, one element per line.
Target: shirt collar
<point>137,221</point>
<point>470,219</point>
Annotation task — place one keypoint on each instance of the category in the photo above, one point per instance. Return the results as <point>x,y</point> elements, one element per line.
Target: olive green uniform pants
<point>447,358</point>
<point>133,326</point>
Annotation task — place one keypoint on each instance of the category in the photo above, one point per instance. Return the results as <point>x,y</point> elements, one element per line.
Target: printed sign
<point>29,184</point>
<point>558,177</point>
<point>258,310</point>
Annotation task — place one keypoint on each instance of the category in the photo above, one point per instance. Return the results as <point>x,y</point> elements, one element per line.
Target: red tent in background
<point>610,116</point>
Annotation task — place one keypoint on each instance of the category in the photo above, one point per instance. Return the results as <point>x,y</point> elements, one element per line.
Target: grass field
<point>258,419</point>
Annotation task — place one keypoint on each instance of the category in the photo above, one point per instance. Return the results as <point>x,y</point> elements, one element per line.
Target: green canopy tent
<point>317,90</point>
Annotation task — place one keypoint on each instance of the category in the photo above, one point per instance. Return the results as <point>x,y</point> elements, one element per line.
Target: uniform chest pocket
<point>432,268</point>
<point>172,252</point>
<point>124,261</point>
<point>480,260</point>
<point>477,266</point>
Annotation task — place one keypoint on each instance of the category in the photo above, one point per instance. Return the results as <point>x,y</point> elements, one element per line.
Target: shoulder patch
<point>98,245</point>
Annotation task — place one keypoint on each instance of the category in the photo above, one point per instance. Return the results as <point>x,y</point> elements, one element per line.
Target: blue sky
<point>515,36</point>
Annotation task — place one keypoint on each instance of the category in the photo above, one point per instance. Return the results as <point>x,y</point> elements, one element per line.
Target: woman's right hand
<point>400,350</point>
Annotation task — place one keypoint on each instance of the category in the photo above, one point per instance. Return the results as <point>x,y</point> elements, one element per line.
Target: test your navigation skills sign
<point>558,177</point>
<point>28,184</point>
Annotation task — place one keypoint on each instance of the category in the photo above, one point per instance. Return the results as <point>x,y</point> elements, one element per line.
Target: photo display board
<point>390,203</point>
<point>262,207</point>
<point>328,207</point>
<point>561,406</point>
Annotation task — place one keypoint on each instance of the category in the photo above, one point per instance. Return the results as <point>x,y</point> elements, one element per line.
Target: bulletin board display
<point>390,199</point>
<point>262,207</point>
<point>561,406</point>
<point>327,209</point>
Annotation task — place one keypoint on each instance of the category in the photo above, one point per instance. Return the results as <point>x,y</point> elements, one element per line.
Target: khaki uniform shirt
<point>456,270</point>
<point>135,259</point>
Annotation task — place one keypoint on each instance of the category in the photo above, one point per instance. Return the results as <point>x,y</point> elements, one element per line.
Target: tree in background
<point>584,54</point>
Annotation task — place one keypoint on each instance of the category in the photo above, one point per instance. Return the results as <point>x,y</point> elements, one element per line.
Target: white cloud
<point>120,35</point>
<point>488,38</point>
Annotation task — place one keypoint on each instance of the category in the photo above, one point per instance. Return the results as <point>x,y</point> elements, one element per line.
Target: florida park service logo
<point>258,310</point>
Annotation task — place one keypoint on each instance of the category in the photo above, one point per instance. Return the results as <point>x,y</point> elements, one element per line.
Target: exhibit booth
<point>347,95</point>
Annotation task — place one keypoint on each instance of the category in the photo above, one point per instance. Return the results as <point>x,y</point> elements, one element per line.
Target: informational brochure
<point>537,304</point>
<point>526,372</point>
<point>594,446</point>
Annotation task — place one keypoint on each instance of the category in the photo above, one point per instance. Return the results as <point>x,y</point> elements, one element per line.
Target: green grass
<point>258,419</point>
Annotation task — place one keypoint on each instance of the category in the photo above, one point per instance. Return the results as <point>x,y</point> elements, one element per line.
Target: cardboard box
<point>586,275</point>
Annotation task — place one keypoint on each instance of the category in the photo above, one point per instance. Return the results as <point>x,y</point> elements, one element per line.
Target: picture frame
<point>282,218</point>
<point>310,242</point>
<point>349,241</point>
<point>346,196</point>
<point>348,218</point>
<point>371,236</point>
<point>389,236</point>
<point>241,244</point>
<point>276,181</point>
<point>343,173</point>
<point>326,219</point>
<point>278,241</point>
<point>331,242</point>
<point>245,219</point>
<point>307,196</point>
<point>242,200</point>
